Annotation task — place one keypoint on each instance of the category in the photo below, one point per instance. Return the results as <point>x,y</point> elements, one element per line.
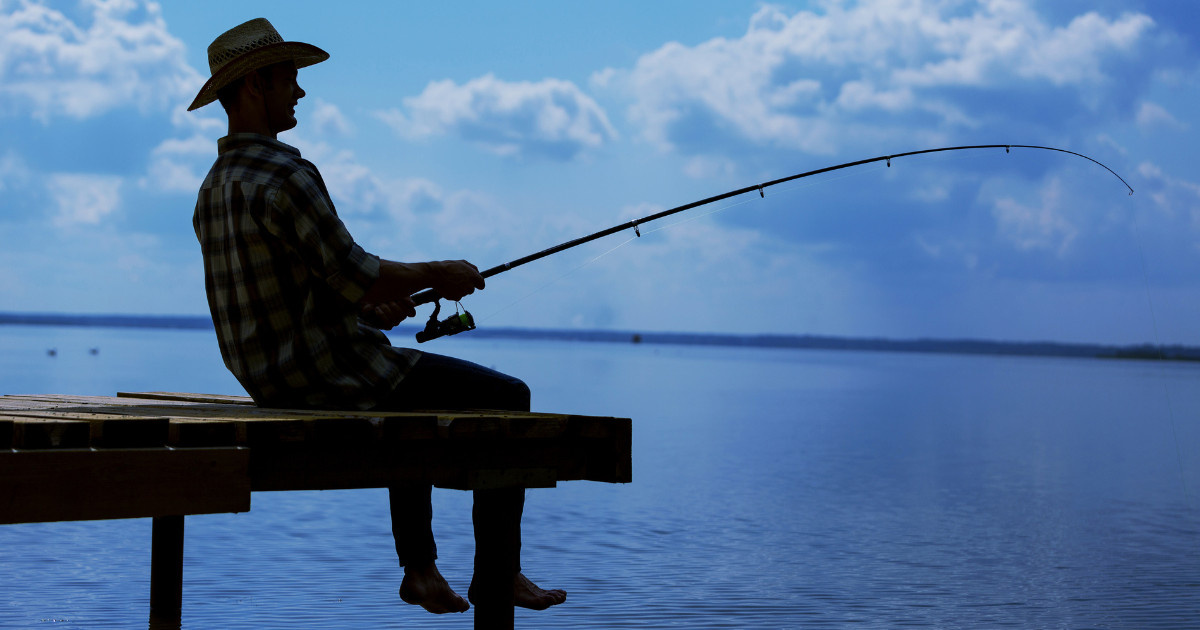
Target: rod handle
<point>425,297</point>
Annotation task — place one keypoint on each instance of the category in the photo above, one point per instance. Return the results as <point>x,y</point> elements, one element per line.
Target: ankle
<point>421,570</point>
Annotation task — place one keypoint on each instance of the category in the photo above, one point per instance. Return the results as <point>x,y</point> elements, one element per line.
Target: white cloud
<point>83,199</point>
<point>412,218</point>
<point>1171,196</point>
<point>13,171</point>
<point>1152,115</point>
<point>125,58</point>
<point>328,119</point>
<point>358,190</point>
<point>550,118</point>
<point>1007,40</point>
<point>179,165</point>
<point>709,166</point>
<point>1036,226</point>
<point>811,81</point>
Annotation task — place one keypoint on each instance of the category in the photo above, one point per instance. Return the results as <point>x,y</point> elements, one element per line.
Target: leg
<point>498,584</point>
<point>423,584</point>
<point>439,382</point>
<point>412,524</point>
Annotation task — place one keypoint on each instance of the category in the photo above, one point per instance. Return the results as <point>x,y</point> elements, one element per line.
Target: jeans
<point>440,382</point>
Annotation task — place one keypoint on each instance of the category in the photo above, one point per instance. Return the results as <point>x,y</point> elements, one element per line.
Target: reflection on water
<point>772,489</point>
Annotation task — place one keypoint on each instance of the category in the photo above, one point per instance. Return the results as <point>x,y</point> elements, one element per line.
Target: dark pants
<point>440,382</point>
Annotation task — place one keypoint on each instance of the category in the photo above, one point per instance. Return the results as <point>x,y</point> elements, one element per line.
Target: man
<point>298,305</point>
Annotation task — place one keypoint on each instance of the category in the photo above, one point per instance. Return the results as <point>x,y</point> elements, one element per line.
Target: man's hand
<point>385,316</point>
<point>454,279</point>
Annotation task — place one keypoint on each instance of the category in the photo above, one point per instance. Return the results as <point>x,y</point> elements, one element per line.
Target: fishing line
<point>1188,496</point>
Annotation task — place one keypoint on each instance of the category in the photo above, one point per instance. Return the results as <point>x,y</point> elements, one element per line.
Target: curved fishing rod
<point>460,322</point>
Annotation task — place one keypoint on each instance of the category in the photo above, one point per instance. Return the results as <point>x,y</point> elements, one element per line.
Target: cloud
<point>124,57</point>
<point>1036,226</point>
<point>329,120</point>
<point>358,190</point>
<point>83,199</point>
<point>1152,115</point>
<point>551,118</point>
<point>410,217</point>
<point>13,171</point>
<point>709,166</point>
<point>876,69</point>
<point>179,165</point>
<point>1174,198</point>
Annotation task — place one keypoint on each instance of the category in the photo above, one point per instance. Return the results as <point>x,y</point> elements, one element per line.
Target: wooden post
<point>496,514</point>
<point>166,571</point>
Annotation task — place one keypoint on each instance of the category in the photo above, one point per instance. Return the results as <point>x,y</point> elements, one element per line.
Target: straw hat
<point>248,47</point>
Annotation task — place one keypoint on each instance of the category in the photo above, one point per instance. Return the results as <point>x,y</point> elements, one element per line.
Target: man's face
<point>281,95</point>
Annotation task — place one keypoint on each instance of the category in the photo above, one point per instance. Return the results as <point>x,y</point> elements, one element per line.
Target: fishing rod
<point>463,321</point>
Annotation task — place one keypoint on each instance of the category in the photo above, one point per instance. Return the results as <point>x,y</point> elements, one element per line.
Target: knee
<point>522,397</point>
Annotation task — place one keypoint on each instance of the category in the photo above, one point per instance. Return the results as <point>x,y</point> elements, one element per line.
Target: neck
<point>239,123</point>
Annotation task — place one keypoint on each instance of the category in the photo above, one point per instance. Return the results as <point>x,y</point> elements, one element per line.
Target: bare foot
<point>425,587</point>
<point>526,594</point>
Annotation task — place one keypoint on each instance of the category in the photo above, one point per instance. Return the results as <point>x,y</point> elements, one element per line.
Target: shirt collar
<point>239,140</point>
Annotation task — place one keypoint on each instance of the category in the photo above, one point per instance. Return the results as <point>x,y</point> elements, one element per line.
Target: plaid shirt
<point>284,278</point>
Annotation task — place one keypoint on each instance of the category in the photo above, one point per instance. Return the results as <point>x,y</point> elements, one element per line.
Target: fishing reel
<point>452,325</point>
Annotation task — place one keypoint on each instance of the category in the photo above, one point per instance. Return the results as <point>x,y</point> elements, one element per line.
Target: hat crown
<point>240,40</point>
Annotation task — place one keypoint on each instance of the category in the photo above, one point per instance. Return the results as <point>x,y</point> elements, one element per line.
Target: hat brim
<point>302,54</point>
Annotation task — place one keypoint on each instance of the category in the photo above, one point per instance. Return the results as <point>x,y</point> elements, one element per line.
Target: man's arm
<point>387,302</point>
<point>452,279</point>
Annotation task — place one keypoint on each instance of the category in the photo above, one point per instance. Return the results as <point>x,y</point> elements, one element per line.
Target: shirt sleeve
<point>303,214</point>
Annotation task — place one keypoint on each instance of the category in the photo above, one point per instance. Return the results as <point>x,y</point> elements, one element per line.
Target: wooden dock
<point>167,455</point>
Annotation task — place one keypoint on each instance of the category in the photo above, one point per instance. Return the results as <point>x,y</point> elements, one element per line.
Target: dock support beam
<point>496,514</point>
<point>166,572</point>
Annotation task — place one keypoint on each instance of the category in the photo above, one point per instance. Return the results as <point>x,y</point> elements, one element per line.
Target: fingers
<point>393,313</point>
<point>387,315</point>
<point>456,279</point>
<point>405,305</point>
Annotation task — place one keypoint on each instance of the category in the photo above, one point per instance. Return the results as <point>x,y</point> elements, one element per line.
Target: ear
<point>254,83</point>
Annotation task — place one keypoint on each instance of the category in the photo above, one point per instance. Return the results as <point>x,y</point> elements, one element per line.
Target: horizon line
<point>959,345</point>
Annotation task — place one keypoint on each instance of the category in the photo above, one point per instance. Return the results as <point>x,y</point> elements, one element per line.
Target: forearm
<point>398,280</point>
<point>450,278</point>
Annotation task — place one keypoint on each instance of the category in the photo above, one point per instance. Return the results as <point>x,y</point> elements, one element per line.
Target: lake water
<point>772,489</point>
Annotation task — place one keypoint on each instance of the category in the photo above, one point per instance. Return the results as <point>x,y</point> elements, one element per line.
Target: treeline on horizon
<point>813,342</point>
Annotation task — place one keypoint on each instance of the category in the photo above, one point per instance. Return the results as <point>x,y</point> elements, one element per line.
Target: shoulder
<point>257,160</point>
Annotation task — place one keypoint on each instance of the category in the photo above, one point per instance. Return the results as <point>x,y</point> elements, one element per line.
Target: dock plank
<point>190,398</point>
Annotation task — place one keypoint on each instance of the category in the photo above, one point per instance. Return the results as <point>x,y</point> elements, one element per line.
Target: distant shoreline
<point>810,342</point>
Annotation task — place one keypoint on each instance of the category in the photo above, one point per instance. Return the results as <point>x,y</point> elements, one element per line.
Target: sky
<point>487,131</point>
